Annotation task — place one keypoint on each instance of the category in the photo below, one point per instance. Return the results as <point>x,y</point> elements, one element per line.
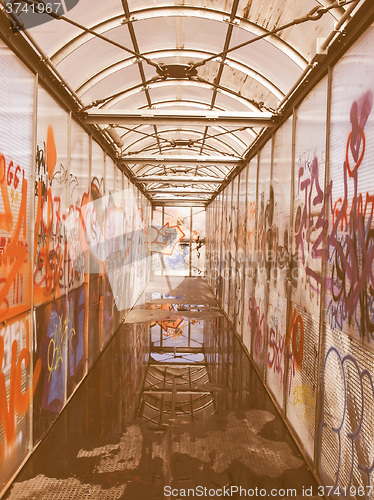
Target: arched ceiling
<point>184,87</point>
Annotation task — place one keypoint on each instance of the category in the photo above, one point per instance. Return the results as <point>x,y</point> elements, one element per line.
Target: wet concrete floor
<point>172,406</point>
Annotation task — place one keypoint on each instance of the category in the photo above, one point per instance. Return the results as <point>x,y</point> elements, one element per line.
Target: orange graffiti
<point>50,244</point>
<point>173,326</point>
<point>6,219</point>
<point>51,152</point>
<point>15,252</point>
<point>18,401</point>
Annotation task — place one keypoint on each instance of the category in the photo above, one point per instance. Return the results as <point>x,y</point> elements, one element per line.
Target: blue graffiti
<point>350,427</point>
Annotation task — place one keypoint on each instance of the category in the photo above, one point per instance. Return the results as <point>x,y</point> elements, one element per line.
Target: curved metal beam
<point>178,180</point>
<point>181,160</point>
<point>209,149</point>
<point>218,172</point>
<point>165,53</point>
<point>165,83</point>
<point>185,11</point>
<point>224,136</point>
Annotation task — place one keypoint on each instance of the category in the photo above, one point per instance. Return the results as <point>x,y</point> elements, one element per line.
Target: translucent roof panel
<point>183,56</point>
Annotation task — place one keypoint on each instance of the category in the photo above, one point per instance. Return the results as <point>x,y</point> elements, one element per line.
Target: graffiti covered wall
<point>71,227</point>
<point>307,315</point>
<point>177,239</point>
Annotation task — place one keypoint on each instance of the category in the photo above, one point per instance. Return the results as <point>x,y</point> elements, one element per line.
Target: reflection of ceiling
<point>128,62</point>
<point>177,383</point>
<point>175,391</point>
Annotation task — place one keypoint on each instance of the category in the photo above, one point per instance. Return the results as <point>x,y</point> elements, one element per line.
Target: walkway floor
<point>173,401</point>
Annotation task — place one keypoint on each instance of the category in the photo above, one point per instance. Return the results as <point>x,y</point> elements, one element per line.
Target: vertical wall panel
<point>16,152</point>
<point>240,254</point>
<point>15,341</point>
<point>248,303</point>
<point>226,225</point>
<point>51,201</point>
<point>54,240</point>
<point>317,342</point>
<point>345,447</point>
<point>16,257</point>
<point>278,257</point>
<point>350,296</point>
<point>96,217</point>
<point>209,240</point>
<point>154,237</point>
<point>265,215</point>
<point>53,320</point>
<point>129,227</point>
<point>139,247</point>
<point>302,339</point>
<point>198,247</point>
<point>218,249</point>
<point>109,231</point>
<point>79,194</point>
<point>232,243</point>
<point>177,263</point>
<point>53,331</point>
<point>77,254</point>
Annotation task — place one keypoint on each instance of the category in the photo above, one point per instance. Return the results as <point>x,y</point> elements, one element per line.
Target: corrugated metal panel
<point>233,244</point>
<point>208,242</point>
<point>130,214</point>
<point>279,244</point>
<point>303,322</point>
<point>79,192</point>
<point>240,255</point>
<point>225,273</point>
<point>16,148</point>
<point>97,170</point>
<point>218,245</point>
<point>115,234</point>
<point>109,175</point>
<point>156,257</point>
<point>345,435</point>
<point>198,249</point>
<point>51,202</point>
<point>148,222</point>
<point>53,330</point>
<point>177,264</point>
<point>77,341</point>
<point>95,293</point>
<point>15,433</point>
<point>264,217</point>
<point>250,252</point>
<point>345,449</point>
<point>350,295</point>
<point>97,190</point>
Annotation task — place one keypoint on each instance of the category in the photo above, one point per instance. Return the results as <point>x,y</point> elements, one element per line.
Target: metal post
<point>255,250</point>
<point>267,290</point>
<point>34,236</point>
<point>236,250</point>
<point>290,260</point>
<point>190,261</point>
<point>242,291</point>
<point>161,256</point>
